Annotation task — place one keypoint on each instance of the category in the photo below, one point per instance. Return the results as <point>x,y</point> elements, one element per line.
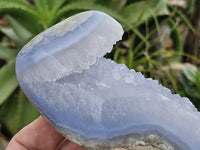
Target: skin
<point>39,135</point>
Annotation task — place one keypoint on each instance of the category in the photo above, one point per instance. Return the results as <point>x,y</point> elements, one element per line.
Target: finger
<point>37,135</point>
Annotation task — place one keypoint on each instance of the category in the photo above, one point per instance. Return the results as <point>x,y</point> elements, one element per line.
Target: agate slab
<point>94,101</point>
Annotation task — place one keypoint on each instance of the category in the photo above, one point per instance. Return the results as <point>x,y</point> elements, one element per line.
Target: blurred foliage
<point>147,24</point>
<point>190,79</point>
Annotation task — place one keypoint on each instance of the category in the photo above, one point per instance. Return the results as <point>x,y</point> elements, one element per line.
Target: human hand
<point>39,135</point>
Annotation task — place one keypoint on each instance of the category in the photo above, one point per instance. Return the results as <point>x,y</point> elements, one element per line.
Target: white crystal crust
<point>71,47</point>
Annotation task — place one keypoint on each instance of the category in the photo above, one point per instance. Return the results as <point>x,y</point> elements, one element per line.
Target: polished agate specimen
<point>96,102</point>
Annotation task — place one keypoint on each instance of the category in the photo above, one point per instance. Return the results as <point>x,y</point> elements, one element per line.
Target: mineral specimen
<point>96,102</point>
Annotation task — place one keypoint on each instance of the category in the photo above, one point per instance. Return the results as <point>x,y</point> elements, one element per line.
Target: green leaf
<point>51,5</point>
<point>92,6</point>
<point>133,11</point>
<point>189,88</point>
<point>176,37</point>
<point>12,6</point>
<point>47,10</point>
<point>12,35</point>
<point>197,80</point>
<point>42,6</point>
<point>7,53</point>
<point>19,29</point>
<point>17,113</point>
<point>24,12</point>
<point>8,81</point>
<point>190,74</point>
<point>190,5</point>
<point>28,111</point>
<point>32,24</point>
<point>25,2</point>
<point>55,5</point>
<point>183,17</point>
<point>9,115</point>
<point>116,4</point>
<point>21,2</point>
<point>183,80</point>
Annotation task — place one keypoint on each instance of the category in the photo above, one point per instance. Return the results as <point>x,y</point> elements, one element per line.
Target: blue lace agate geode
<point>92,100</point>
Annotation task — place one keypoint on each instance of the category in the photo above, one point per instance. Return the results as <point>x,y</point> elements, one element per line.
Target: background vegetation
<point>153,43</point>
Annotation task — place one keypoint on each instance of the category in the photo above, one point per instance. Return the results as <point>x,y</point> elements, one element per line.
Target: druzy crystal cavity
<point>92,100</point>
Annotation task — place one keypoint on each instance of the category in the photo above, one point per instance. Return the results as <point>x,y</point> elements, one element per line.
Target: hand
<point>39,135</point>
